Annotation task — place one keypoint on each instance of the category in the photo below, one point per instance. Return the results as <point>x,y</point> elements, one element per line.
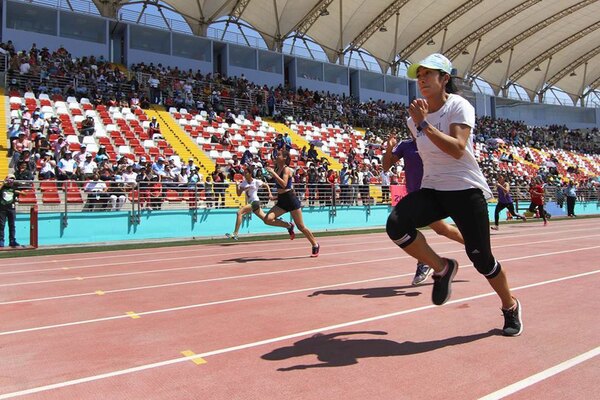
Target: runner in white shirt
<point>452,186</point>
<point>250,187</point>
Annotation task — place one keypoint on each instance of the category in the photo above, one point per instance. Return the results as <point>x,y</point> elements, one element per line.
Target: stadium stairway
<point>301,142</point>
<point>4,160</point>
<point>185,147</point>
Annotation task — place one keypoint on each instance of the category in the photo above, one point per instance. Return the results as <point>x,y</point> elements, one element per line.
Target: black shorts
<point>255,205</point>
<point>288,201</point>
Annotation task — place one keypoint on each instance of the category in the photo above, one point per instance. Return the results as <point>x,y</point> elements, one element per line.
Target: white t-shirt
<point>251,189</point>
<point>441,171</point>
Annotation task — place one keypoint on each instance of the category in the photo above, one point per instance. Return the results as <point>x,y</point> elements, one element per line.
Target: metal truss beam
<point>376,24</point>
<point>498,51</point>
<point>302,27</point>
<point>571,67</point>
<point>437,27</point>
<point>455,50</point>
<point>553,50</point>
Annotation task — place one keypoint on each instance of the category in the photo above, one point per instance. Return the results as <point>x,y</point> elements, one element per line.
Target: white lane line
<point>145,367</point>
<point>200,248</point>
<point>192,306</point>
<point>79,278</point>
<point>540,376</point>
<point>217,279</point>
<point>155,259</point>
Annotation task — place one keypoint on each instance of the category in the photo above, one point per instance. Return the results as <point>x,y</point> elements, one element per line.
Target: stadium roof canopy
<point>536,44</point>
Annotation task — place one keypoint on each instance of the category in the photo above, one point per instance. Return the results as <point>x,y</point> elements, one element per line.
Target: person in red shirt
<point>536,191</point>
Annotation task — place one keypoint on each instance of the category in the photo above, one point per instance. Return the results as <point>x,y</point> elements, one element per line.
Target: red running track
<point>262,320</point>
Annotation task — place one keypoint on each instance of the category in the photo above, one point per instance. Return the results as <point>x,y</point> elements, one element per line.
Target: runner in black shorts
<point>250,186</point>
<point>286,198</point>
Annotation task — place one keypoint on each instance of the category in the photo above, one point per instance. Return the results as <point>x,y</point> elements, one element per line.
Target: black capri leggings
<point>502,206</point>
<point>467,208</point>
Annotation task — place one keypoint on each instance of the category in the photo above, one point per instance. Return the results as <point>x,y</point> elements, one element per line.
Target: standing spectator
<point>8,198</point>
<point>385,185</point>
<point>571,194</point>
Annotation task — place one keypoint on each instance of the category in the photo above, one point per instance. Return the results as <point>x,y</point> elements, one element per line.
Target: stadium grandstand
<point>142,107</point>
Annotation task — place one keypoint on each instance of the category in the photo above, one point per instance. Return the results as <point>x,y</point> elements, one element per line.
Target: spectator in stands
<point>384,177</point>
<point>13,133</point>
<point>87,126</point>
<point>18,146</point>
<point>96,191</point>
<point>158,168</point>
<point>88,168</point>
<point>67,167</point>
<point>47,167</point>
<point>54,126</point>
<point>220,186</point>
<point>79,155</point>
<point>9,194</point>
<point>155,95</point>
<point>23,173</point>
<point>153,128</point>
<point>117,194</point>
<point>312,153</point>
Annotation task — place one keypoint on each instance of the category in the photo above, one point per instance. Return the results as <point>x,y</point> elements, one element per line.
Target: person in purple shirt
<point>413,173</point>
<point>504,201</point>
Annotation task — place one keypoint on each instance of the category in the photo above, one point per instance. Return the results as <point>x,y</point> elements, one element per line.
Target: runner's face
<point>431,82</point>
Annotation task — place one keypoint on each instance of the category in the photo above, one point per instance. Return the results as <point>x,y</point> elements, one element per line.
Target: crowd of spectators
<point>39,150</point>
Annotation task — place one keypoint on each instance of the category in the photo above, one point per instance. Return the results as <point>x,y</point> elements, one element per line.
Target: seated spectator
<point>67,167</point>
<point>129,176</point>
<point>117,194</point>
<point>48,167</point>
<point>88,168</point>
<point>158,168</point>
<point>23,173</point>
<point>154,128</point>
<point>54,126</point>
<point>96,191</point>
<point>80,155</point>
<point>101,155</point>
<point>87,127</point>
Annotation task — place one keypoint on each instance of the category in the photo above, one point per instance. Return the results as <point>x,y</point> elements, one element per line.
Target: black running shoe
<point>513,322</point>
<point>315,250</point>
<point>442,284</point>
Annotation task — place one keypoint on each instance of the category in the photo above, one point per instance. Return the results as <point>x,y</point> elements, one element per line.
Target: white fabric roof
<point>555,41</point>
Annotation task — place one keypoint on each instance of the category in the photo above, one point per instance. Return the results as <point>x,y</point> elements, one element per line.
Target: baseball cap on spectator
<point>143,159</point>
<point>191,159</point>
<point>161,159</point>
<point>10,176</point>
<point>433,61</point>
<point>88,155</point>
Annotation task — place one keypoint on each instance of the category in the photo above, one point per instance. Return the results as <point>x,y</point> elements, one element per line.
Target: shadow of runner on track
<point>377,292</point>
<point>334,351</point>
<point>243,260</point>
